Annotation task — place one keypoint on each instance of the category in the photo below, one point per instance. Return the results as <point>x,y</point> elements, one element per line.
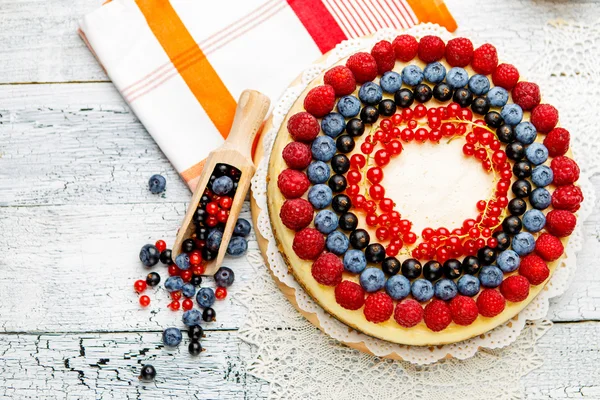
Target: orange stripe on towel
<point>201,78</point>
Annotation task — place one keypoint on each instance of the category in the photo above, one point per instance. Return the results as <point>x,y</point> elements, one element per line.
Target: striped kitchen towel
<point>181,64</point>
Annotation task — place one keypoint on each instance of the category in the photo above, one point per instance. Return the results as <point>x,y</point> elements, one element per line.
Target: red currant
<point>139,286</point>
<point>405,226</point>
<point>212,208</point>
<point>174,305</point>
<point>421,135</point>
<point>435,135</point>
<point>427,233</point>
<point>397,119</point>
<point>407,135</point>
<point>407,114</point>
<point>195,257</point>
<point>382,233</point>
<point>353,176</point>
<point>434,122</point>
<point>366,148</point>
<point>187,304</point>
<point>410,238</point>
<point>222,216</point>
<point>198,269</point>
<point>173,270</point>
<point>468,149</point>
<point>211,221</point>
<point>225,202</point>
<point>394,147</point>
<point>386,125</point>
<point>221,293</point>
<point>448,129</point>
<point>382,157</point>
<point>371,219</point>
<point>386,205</point>
<point>144,301</point>
<point>176,295</point>
<point>392,250</point>
<point>376,191</point>
<point>420,111</point>
<point>160,245</point>
<point>359,201</point>
<point>353,189</point>
<point>186,275</point>
<point>358,161</point>
<point>492,242</point>
<point>375,174</point>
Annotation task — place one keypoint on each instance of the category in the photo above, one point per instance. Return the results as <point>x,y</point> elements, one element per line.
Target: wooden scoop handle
<point>249,115</point>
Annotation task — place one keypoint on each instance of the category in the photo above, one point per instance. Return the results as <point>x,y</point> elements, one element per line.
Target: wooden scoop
<point>236,151</point>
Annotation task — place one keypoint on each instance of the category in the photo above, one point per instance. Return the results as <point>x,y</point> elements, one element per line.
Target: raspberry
<point>431,48</point>
<point>463,310</point>
<point>303,127</point>
<point>549,247</point>
<point>534,269</point>
<point>437,315</point>
<point>557,142</point>
<point>292,183</point>
<point>566,171</point>
<point>560,223</point>
<point>459,52</point>
<point>296,214</point>
<point>363,66</point>
<point>341,79</point>
<point>485,59</point>
<point>408,313</point>
<point>567,198</point>
<point>490,303</point>
<point>350,295</point>
<point>506,76</point>
<point>297,155</point>
<point>544,117</point>
<point>383,53</point>
<point>515,288</point>
<point>308,243</point>
<point>320,100</point>
<point>526,94</point>
<point>328,269</point>
<point>378,307</point>
<point>405,47</point>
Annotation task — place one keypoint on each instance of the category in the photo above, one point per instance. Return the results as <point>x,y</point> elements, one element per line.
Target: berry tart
<point>421,191</point>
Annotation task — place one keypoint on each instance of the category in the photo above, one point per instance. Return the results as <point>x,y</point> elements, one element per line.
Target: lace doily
<point>292,352</point>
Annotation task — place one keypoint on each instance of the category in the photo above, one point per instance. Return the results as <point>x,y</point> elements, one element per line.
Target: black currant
<point>521,188</point>
<point>188,245</point>
<point>512,225</point>
<point>481,105</point>
<point>208,255</point>
<point>387,107</point>
<point>165,257</point>
<point>194,348</point>
<point>411,268</point>
<point>195,333</point>
<point>463,97</point>
<point>220,170</point>
<point>471,265</point>
<point>442,92</point>
<point>209,315</point>
<point>423,93</point>
<point>196,280</point>
<point>503,240</point>
<point>515,151</point>
<point>390,265</point>
<point>452,268</point>
<point>348,222</point>
<point>355,127</point>
<point>493,119</point>
<point>522,169</point>
<point>432,270</point>
<point>340,164</point>
<point>369,114</point>
<point>202,233</point>
<point>486,255</point>
<point>341,203</point>
<point>359,238</point>
<point>505,133</point>
<point>404,98</point>
<point>148,373</point>
<point>204,200</point>
<point>153,279</point>
<point>344,144</point>
<point>337,183</point>
<point>375,253</point>
<point>517,206</point>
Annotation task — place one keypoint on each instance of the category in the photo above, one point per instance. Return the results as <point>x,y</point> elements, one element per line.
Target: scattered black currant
<point>515,151</point>
<point>522,169</point>
<point>369,114</point>
<point>521,188</point>
<point>486,255</point>
<point>517,206</point>
<point>432,270</point>
<point>503,239</point>
<point>390,265</point>
<point>355,127</point>
<point>411,268</point>
<point>152,279</point>
<point>340,164</point>
<point>375,253</point>
<point>344,144</point>
<point>471,265</point>
<point>481,105</point>
<point>359,238</point>
<point>148,373</point>
<point>452,268</point>
<point>463,97</point>
<point>387,107</point>
<point>341,203</point>
<point>493,119</point>
<point>348,222</point>
<point>195,348</point>
<point>404,98</point>
<point>423,93</point>
<point>442,92</point>
<point>337,183</point>
<point>512,225</point>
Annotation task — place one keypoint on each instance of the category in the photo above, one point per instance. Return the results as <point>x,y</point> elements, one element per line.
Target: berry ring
<point>421,192</point>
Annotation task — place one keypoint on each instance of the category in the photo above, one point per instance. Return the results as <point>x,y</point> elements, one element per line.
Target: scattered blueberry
<point>434,72</point>
<point>242,227</point>
<point>370,93</point>
<point>355,261</point>
<point>372,279</point>
<point>348,106</point>
<point>490,276</point>
<point>333,124</point>
<point>479,84</point>
<point>213,241</point>
<point>173,283</point>
<point>525,132</point>
<point>523,243</point>
<point>326,221</point>
<point>149,255</point>
<point>183,261</point>
<point>172,337</point>
<point>512,114</point>
<point>468,285</point>
<point>337,243</point>
<point>457,77</point>
<point>540,198</point>
<point>318,172</point>
<point>542,175</point>
<point>398,287</point>
<point>192,317</point>
<point>157,184</point>
<point>323,148</point>
<point>224,277</point>
<point>320,196</point>
<point>445,289</point>
<point>188,290</point>
<point>205,297</point>
<point>508,261</point>
<point>222,185</point>
<point>536,153</point>
<point>422,290</point>
<point>412,75</point>
<point>391,82</point>
<point>497,96</point>
<point>237,246</point>
<point>534,220</point>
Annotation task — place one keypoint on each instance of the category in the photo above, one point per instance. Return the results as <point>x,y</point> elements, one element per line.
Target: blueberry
<point>445,289</point>
<point>224,277</point>
<point>412,75</point>
<point>497,96</point>
<point>348,106</point>
<point>479,84</point>
<point>192,317</point>
<point>422,290</point>
<point>391,82</point>
<point>508,261</point>
<point>318,172</point>
<point>320,196</point>
<point>323,148</point>
<point>183,261</point>
<point>523,243</point>
<point>542,175</point>
<point>370,93</point>
<point>534,220</point>
<point>490,276</point>
<point>205,297</point>
<point>337,243</point>
<point>372,279</point>
<point>222,185</point>
<point>149,255</point>
<point>540,198</point>
<point>398,287</point>
<point>242,227</point>
<point>468,285</point>
<point>326,221</point>
<point>172,337</point>
<point>434,72</point>
<point>157,184</point>
<point>512,114</point>
<point>457,77</point>
<point>237,246</point>
<point>333,124</point>
<point>536,153</point>
<point>173,283</point>
<point>188,290</point>
<point>355,261</point>
<point>213,241</point>
<point>525,132</point>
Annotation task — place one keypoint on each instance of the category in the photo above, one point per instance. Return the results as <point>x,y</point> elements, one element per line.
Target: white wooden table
<point>75,209</point>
